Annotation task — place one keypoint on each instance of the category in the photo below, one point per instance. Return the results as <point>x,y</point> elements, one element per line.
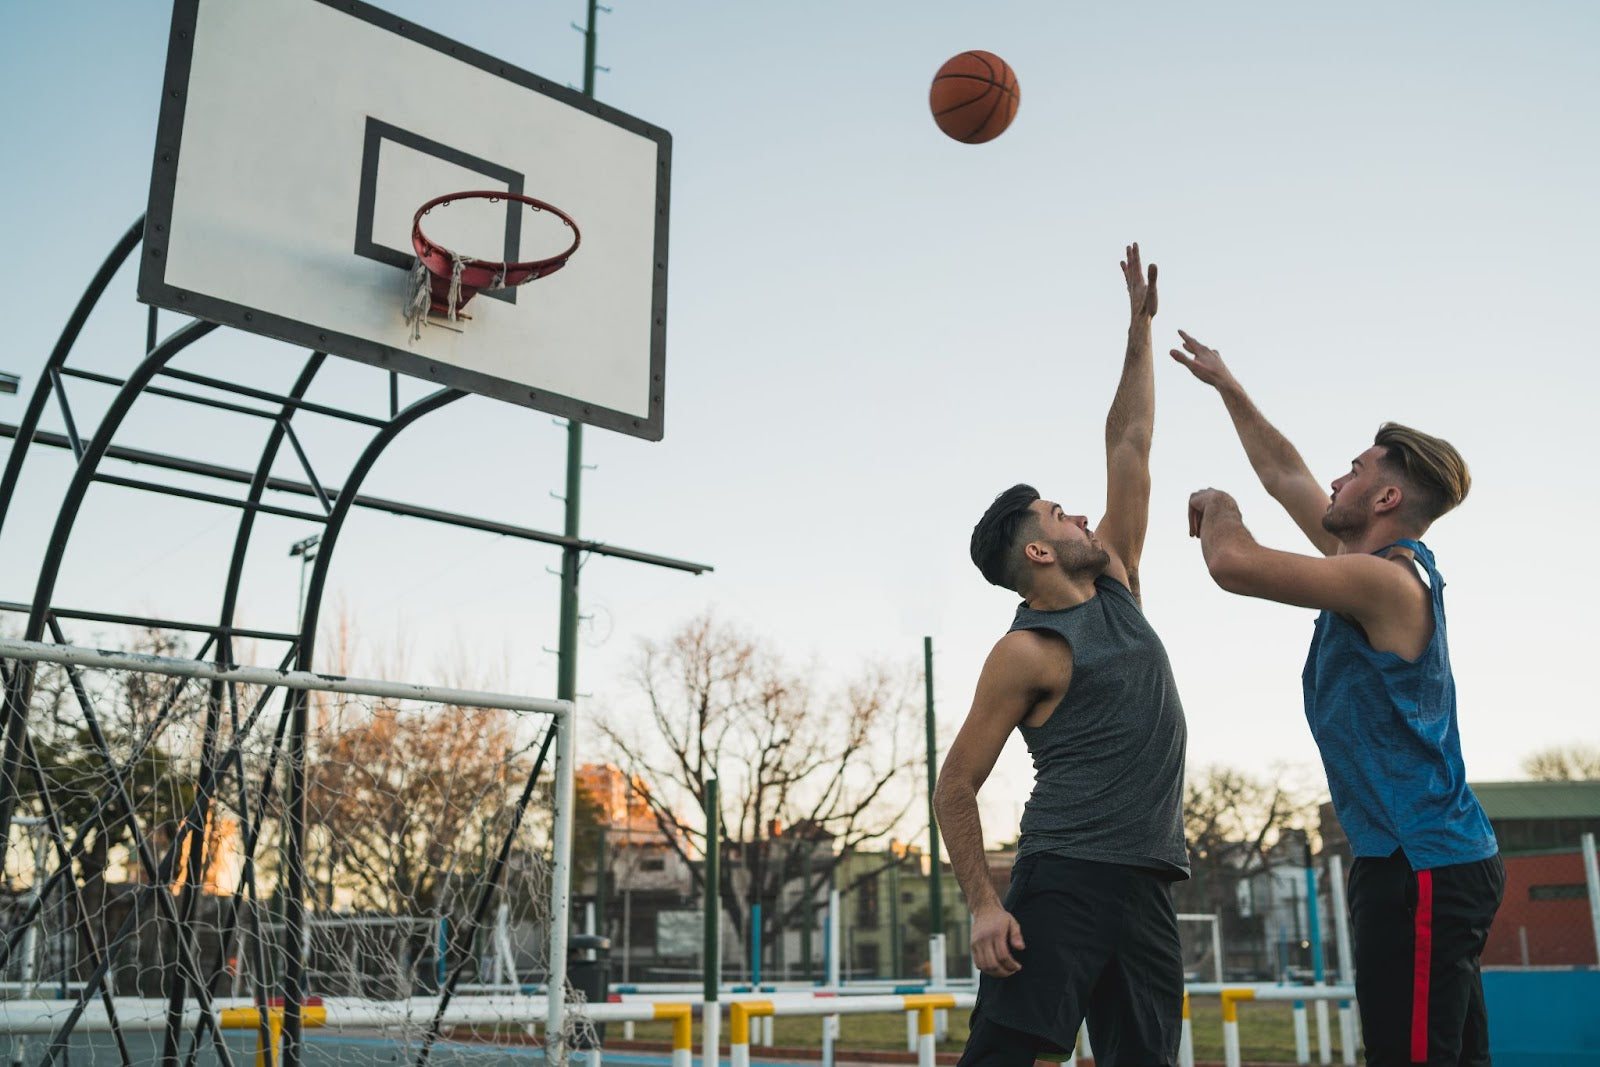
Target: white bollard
<point>937,978</point>
<point>1324,1049</point>
<point>1083,1041</point>
<point>1347,1034</point>
<point>911,1031</point>
<point>925,1038</point>
<point>1186,1038</point>
<point>711,1034</point>
<point>1302,1040</point>
<point>1230,1024</point>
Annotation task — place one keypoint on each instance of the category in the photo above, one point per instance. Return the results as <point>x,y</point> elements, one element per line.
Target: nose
<point>1082,521</point>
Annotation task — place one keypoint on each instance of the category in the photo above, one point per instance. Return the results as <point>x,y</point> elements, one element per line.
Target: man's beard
<point>1347,521</point>
<point>1080,559</point>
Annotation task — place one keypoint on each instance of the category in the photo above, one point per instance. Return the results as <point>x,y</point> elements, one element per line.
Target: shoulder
<point>1028,659</point>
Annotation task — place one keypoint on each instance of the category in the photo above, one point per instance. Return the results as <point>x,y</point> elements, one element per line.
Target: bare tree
<point>408,802</point>
<point>797,772</point>
<point>1232,819</point>
<point>1576,762</point>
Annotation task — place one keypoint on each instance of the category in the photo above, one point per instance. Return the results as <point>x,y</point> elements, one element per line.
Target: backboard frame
<point>155,288</point>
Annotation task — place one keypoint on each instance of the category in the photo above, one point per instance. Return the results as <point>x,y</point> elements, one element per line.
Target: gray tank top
<point>1108,763</point>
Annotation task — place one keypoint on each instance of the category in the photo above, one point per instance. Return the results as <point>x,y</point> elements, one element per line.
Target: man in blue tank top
<point>1087,925</point>
<point>1379,694</point>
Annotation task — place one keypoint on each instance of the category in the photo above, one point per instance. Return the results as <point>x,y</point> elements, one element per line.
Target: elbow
<point>1230,569</point>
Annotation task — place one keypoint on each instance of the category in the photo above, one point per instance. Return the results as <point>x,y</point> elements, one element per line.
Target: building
<point>1544,918</point>
<point>884,898</point>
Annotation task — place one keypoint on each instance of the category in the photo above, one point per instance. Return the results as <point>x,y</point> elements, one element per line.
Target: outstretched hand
<point>1141,288</point>
<point>1204,363</point>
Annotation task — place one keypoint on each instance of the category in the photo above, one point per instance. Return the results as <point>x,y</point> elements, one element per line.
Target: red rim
<point>479,274</point>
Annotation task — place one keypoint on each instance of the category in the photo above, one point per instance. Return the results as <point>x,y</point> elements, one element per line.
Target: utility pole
<point>935,909</point>
<point>567,650</point>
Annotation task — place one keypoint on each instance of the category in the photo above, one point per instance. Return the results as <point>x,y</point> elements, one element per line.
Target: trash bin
<point>591,977</point>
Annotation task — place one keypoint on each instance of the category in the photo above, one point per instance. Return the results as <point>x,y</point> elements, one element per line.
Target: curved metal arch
<point>58,357</point>
<point>258,485</point>
<point>93,453</point>
<point>18,693</point>
<point>295,794</point>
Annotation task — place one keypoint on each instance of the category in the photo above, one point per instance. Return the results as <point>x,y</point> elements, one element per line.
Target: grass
<point>1266,1031</point>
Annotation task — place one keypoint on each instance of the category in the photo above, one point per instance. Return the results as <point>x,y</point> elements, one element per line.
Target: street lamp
<point>306,549</point>
<point>9,383</point>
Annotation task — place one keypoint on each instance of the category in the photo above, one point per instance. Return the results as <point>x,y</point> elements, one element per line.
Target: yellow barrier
<point>682,1016</point>
<point>250,1019</point>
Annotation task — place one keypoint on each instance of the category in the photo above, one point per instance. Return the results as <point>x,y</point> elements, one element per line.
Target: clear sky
<point>1376,211</point>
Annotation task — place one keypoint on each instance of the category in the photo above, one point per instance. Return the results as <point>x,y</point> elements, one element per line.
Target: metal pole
<point>755,946</point>
<point>560,891</point>
<point>1591,873</point>
<point>600,882</point>
<point>1347,970</point>
<point>567,687</point>
<point>808,910</point>
<point>711,1017</point>
<point>935,908</point>
<point>896,949</point>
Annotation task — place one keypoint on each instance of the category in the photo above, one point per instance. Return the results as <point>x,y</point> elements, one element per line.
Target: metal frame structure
<point>155,376</point>
<point>297,684</point>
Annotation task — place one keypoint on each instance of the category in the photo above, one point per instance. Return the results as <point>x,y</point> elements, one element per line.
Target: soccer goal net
<point>203,863</point>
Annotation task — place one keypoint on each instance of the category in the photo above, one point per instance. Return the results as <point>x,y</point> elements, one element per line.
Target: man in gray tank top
<point>1087,926</point>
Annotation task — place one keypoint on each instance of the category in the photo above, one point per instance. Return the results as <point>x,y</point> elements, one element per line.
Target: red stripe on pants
<point>1422,958</point>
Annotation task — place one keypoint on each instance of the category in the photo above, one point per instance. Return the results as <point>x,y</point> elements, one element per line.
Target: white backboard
<point>297,140</point>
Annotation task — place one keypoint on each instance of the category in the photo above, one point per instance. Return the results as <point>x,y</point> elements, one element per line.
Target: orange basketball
<point>974,97</point>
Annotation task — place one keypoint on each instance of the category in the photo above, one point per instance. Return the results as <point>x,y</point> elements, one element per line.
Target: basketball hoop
<point>443,281</point>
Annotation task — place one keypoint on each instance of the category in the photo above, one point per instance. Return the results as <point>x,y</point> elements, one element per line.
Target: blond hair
<point>1431,468</point>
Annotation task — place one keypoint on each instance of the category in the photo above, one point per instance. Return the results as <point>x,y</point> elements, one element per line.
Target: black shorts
<point>1103,942</point>
<point>1418,936</point>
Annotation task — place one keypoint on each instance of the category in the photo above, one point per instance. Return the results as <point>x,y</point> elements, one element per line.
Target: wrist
<point>983,907</point>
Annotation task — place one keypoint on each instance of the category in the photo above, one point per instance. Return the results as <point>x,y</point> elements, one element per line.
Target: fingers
<point>1195,346</point>
<point>992,948</point>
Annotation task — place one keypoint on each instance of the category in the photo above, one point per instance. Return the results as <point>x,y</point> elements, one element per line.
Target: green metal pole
<point>808,913</point>
<point>935,908</point>
<point>713,882</point>
<point>600,882</point>
<point>896,949</point>
<point>567,648</point>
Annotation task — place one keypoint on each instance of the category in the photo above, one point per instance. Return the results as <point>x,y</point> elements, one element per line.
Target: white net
<point>152,869</point>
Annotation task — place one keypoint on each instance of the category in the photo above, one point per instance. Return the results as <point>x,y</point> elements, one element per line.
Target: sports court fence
<point>200,833</point>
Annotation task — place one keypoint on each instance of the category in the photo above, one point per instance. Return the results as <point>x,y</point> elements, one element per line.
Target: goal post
<point>129,756</point>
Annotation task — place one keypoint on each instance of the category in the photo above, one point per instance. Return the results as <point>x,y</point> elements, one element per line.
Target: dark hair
<point>1430,466</point>
<point>1000,533</point>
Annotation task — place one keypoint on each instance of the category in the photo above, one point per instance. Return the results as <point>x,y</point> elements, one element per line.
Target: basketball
<point>974,97</point>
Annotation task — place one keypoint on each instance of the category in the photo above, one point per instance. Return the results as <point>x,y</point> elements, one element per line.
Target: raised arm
<point>1129,426</point>
<point>1383,596</point>
<point>1276,462</point>
<point>1010,684</point>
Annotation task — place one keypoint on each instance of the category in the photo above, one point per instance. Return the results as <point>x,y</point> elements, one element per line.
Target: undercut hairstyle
<point>999,537</point>
<point>1435,476</point>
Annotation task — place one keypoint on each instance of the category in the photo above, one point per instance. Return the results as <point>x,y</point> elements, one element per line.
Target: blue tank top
<point>1386,728</point>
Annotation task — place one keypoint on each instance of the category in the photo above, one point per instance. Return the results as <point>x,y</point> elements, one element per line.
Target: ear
<point>1389,499</point>
<point>1039,552</point>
